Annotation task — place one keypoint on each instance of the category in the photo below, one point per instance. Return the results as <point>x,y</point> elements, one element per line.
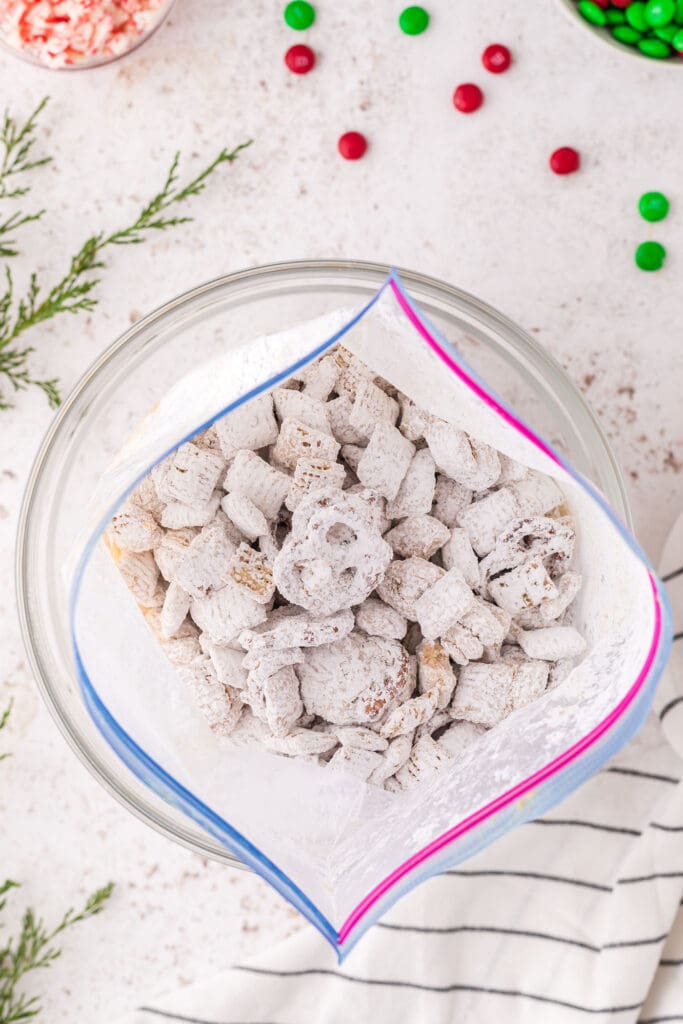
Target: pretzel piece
<point>524,587</point>
<point>536,537</point>
<point>332,559</point>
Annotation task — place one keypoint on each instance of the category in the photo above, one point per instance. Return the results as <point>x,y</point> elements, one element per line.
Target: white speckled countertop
<point>466,199</point>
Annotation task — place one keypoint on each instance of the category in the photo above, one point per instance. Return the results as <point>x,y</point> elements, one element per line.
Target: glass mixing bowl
<point>122,385</point>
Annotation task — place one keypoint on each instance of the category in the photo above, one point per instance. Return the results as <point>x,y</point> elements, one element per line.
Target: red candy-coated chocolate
<point>622,3</point>
<point>467,98</point>
<point>300,59</point>
<point>603,3</point>
<point>565,160</point>
<point>352,145</point>
<point>497,58</point>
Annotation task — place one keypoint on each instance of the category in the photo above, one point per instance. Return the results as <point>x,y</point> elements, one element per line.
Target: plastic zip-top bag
<point>339,605</point>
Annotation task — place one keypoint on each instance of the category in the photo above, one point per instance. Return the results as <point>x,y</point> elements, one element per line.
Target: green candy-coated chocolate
<point>656,48</point>
<point>615,16</point>
<point>659,12</point>
<point>678,16</point>
<point>413,20</point>
<point>667,32</point>
<point>299,14</point>
<point>650,255</point>
<point>635,16</point>
<point>592,12</point>
<point>626,34</point>
<point>677,41</point>
<point>653,206</point>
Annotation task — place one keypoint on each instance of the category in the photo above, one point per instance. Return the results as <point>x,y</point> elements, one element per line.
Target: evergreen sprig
<point>74,292</point>
<point>34,947</point>
<point>16,158</point>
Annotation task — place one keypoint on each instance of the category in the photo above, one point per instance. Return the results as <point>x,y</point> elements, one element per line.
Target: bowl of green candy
<point>646,28</point>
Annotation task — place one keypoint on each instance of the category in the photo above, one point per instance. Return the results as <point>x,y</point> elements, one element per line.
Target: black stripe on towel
<point>644,775</point>
<point>191,1020</point>
<point>586,824</point>
<point>545,936</point>
<point>650,878</point>
<point>441,989</point>
<point>536,876</point>
<point>666,828</point>
<point>672,575</point>
<point>659,1020</point>
<point>669,707</point>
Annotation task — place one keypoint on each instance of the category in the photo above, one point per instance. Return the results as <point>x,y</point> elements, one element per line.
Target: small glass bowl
<point>125,382</point>
<point>88,63</point>
<point>602,35</point>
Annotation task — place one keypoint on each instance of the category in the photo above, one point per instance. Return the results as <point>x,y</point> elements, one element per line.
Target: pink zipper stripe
<point>513,794</point>
<point>564,759</point>
<point>472,384</point>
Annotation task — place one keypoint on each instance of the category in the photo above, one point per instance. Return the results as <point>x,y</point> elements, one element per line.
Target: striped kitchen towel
<point>575,917</point>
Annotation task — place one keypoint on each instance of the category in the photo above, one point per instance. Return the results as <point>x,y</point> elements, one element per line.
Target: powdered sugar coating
<point>370,598</point>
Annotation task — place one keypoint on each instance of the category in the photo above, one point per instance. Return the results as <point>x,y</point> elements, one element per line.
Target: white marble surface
<point>466,199</point>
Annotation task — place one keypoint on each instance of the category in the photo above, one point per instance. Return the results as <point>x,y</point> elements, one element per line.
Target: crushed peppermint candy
<point>69,33</point>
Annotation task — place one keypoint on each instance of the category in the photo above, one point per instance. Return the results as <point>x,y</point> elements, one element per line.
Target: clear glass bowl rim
<point>324,271</point>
